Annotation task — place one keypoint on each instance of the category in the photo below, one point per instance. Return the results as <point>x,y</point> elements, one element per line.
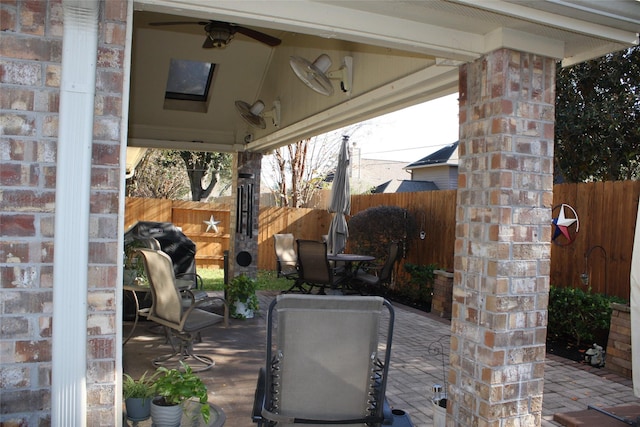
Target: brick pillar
<point>619,357</point>
<point>503,233</point>
<point>243,248</point>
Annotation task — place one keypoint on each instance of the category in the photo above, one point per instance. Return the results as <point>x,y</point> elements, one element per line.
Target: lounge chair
<point>326,365</point>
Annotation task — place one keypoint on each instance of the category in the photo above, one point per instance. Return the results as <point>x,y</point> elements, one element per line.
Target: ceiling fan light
<point>220,37</point>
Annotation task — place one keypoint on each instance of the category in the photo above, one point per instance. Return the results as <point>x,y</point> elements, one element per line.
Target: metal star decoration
<point>562,224</point>
<point>212,223</point>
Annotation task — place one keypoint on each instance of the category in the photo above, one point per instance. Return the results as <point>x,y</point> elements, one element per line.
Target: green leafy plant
<point>143,387</point>
<point>174,386</point>
<point>578,316</point>
<point>242,289</point>
<point>420,286</point>
<point>132,261</point>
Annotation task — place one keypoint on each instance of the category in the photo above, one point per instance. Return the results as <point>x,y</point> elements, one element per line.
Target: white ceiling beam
<point>427,84</point>
<point>524,42</point>
<point>173,144</point>
<point>522,11</point>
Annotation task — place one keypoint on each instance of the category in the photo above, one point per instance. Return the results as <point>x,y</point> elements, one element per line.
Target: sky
<point>412,133</point>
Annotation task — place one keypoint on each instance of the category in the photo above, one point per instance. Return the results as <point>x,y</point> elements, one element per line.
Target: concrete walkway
<point>419,360</point>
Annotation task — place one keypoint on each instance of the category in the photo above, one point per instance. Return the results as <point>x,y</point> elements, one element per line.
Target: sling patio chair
<point>327,361</point>
<point>373,279</point>
<point>183,324</point>
<point>286,256</point>
<point>314,269</point>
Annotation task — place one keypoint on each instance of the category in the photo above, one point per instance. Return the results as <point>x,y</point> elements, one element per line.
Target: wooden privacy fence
<point>607,213</point>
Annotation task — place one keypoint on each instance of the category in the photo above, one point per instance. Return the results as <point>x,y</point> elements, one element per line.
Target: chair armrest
<point>198,300</point>
<point>197,280</point>
<point>369,268</point>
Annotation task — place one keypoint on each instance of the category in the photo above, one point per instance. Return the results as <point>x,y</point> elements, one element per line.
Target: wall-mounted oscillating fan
<point>219,34</point>
<point>255,114</point>
<point>316,74</point>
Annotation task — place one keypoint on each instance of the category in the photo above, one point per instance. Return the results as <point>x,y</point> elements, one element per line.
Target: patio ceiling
<point>404,53</point>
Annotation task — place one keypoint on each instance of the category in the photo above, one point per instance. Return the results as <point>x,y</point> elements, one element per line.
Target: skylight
<point>189,80</point>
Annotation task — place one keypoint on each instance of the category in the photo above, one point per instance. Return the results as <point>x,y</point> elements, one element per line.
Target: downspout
<point>71,241</point>
<point>126,92</point>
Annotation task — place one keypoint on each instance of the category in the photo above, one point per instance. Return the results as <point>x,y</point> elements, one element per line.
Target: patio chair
<point>374,278</point>
<point>183,324</point>
<point>326,365</point>
<point>314,269</point>
<point>286,257</point>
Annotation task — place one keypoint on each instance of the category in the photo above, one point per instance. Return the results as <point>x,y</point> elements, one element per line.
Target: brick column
<point>503,233</point>
<point>243,247</point>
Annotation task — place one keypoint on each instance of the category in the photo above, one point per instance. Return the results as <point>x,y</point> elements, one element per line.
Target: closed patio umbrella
<point>340,202</point>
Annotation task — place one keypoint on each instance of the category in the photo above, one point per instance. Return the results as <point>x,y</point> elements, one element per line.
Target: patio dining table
<point>352,262</point>
<point>351,259</point>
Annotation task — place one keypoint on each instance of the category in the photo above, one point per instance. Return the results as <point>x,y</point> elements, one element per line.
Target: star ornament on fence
<point>212,223</point>
<point>565,227</point>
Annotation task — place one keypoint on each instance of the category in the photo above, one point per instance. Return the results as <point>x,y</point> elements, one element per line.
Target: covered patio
<point>89,78</point>
<point>421,340</point>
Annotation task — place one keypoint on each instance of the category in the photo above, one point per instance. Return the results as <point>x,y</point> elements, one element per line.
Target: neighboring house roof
<point>446,155</point>
<point>405,186</point>
<point>369,173</point>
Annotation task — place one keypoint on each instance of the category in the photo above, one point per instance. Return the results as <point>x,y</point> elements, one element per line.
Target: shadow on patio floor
<point>415,367</point>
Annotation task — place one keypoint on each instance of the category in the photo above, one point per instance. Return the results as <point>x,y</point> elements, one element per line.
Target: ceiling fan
<point>219,34</point>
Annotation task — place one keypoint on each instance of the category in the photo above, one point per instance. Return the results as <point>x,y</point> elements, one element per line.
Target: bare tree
<point>298,171</point>
<point>159,175</point>
<point>203,166</point>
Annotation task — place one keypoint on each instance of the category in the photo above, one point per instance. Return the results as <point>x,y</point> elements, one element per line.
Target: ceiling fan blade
<point>257,35</point>
<point>208,43</point>
<point>157,24</point>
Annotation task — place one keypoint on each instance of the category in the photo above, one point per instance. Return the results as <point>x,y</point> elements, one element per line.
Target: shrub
<point>577,316</point>
<point>420,286</point>
<point>372,230</point>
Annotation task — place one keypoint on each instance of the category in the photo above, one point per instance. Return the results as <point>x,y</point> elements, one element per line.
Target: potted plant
<point>137,396</point>
<point>241,296</point>
<point>133,266</point>
<point>173,387</point>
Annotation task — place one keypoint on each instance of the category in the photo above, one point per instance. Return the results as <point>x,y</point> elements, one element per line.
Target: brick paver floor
<point>419,360</point>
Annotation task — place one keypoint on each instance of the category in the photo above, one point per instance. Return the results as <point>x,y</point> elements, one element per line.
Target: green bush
<point>420,286</point>
<point>372,230</point>
<point>577,316</point>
